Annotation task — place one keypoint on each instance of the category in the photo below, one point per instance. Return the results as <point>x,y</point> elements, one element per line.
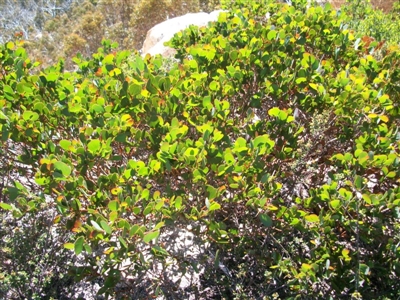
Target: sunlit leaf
<point>113,205</point>
<point>30,116</point>
<point>151,236</point>
<point>63,168</point>
<point>214,206</point>
<point>106,227</point>
<point>5,206</point>
<point>312,218</point>
<point>335,204</point>
<point>69,246</point>
<point>94,146</point>
<point>96,226</point>
<point>123,242</point>
<point>78,245</point>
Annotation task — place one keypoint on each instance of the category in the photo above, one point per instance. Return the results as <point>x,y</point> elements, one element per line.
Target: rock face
<point>163,32</point>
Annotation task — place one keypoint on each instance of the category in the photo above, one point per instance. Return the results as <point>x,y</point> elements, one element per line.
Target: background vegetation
<point>62,28</point>
<point>55,29</point>
<point>273,139</point>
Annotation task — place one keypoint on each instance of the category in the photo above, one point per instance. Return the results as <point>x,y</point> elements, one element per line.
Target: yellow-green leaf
<point>78,245</point>
<point>312,218</point>
<point>151,236</point>
<point>69,246</point>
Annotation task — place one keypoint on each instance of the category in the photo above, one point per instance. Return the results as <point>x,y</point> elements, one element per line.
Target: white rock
<point>163,32</point>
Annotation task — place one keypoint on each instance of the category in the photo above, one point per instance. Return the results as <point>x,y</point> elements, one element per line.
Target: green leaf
<point>113,205</point>
<point>88,249</point>
<point>69,246</point>
<point>8,92</point>
<point>274,112</point>
<point>151,236</point>
<point>159,225</point>
<point>314,86</point>
<point>65,144</point>
<point>345,252</point>
<point>134,229</point>
<point>109,59</point>
<point>214,206</point>
<point>271,35</point>
<point>113,216</point>
<point>193,64</point>
<point>78,245</point>
<point>115,72</point>
<point>300,80</point>
<point>364,269</point>
<point>135,89</point>
<point>348,157</point>
<point>13,192</point>
<point>358,182</point>
<point>313,218</point>
<point>5,206</point>
<point>148,209</point>
<point>159,251</point>
<point>335,204</point>
<point>222,17</point>
<point>52,77</point>
<point>94,146</point>
<point>265,220</point>
<point>306,267</point>
<point>3,116</point>
<point>151,88</point>
<point>366,198</point>
<point>10,45</point>
<point>211,192</point>
<point>106,227</point>
<point>228,157</point>
<point>123,242</point>
<point>391,174</point>
<point>214,86</point>
<point>96,226</point>
<point>240,142</point>
<point>178,202</point>
<point>216,260</point>
<point>339,157</point>
<point>207,102</point>
<point>294,222</point>
<point>159,204</point>
<point>63,168</point>
<point>217,135</point>
<point>30,116</point>
<point>191,152</point>
<point>263,140</point>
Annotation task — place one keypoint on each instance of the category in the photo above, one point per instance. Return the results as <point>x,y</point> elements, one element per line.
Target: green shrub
<point>34,263</point>
<point>276,139</point>
<point>374,23</point>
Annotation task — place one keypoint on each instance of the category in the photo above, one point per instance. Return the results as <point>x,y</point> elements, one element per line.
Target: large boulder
<point>163,32</point>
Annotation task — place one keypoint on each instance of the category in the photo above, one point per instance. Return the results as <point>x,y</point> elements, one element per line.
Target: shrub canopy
<point>275,136</point>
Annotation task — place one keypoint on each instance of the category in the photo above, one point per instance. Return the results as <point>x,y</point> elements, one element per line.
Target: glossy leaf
<point>150,236</point>
<point>78,245</point>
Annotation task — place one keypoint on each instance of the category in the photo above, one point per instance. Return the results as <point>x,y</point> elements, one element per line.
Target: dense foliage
<point>55,29</point>
<point>274,139</point>
<point>367,21</point>
<point>61,28</point>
